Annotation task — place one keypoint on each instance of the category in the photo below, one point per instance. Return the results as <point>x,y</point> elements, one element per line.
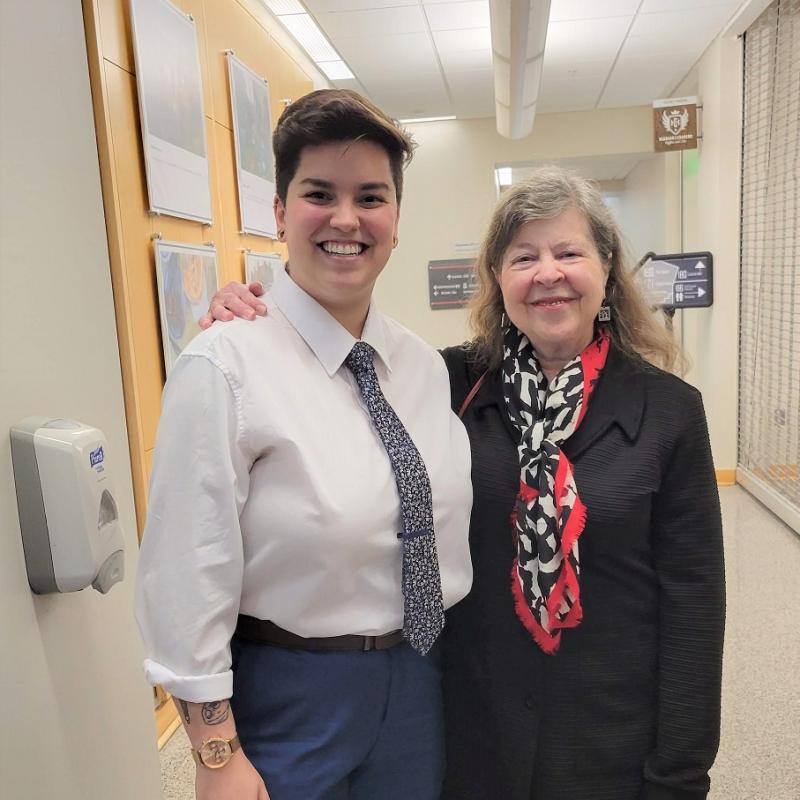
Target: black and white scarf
<point>548,516</point>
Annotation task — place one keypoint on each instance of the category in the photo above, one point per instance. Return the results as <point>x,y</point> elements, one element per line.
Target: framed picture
<point>261,267</point>
<point>187,280</point>
<point>252,136</point>
<point>171,110</point>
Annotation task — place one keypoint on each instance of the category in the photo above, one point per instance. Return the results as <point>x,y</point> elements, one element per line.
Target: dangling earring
<point>504,322</point>
<point>395,241</point>
<point>604,314</point>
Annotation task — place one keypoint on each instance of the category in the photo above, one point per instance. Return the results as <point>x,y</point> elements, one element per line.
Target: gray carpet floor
<point>761,683</point>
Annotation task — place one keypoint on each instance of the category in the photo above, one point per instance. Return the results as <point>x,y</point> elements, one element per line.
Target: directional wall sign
<point>451,282</point>
<point>683,280</point>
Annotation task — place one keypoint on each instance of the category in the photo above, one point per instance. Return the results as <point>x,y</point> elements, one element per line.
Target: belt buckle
<point>369,643</point>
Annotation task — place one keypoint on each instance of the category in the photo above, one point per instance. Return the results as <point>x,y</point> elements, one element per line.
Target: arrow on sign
<point>699,265</point>
<point>700,292</point>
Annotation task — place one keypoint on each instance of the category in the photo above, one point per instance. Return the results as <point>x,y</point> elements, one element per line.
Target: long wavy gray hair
<point>545,194</point>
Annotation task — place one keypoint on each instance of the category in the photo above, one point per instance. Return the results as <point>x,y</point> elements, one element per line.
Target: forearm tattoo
<point>215,713</point>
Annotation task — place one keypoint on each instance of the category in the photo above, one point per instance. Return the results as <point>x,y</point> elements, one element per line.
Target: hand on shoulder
<point>234,300</point>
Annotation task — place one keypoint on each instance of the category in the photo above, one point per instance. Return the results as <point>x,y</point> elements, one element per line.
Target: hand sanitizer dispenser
<point>68,516</point>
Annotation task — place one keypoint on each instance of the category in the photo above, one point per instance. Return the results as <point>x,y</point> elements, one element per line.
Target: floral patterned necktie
<point>421,583</point>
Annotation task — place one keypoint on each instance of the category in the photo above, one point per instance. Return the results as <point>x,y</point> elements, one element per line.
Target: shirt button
<point>530,701</point>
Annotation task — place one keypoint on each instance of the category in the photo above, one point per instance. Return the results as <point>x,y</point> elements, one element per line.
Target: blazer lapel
<point>618,399</point>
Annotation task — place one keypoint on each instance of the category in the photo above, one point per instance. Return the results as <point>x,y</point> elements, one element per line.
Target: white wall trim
<point>747,14</point>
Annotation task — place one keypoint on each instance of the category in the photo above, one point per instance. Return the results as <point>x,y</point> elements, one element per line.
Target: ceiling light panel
<point>279,7</point>
<point>458,16</point>
<point>310,37</point>
<point>335,70</point>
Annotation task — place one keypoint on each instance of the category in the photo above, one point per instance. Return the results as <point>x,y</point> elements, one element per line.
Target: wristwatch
<point>215,752</point>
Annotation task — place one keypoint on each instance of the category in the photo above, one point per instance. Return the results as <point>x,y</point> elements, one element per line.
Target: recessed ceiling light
<point>425,119</point>
<point>294,17</point>
<point>335,70</point>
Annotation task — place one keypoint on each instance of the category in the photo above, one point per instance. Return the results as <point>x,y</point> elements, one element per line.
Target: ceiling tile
<point>705,21</point>
<point>377,57</point>
<point>461,60</point>
<point>404,19</point>
<point>576,69</point>
<point>561,10</point>
<point>323,6</point>
<point>673,43</point>
<point>478,81</point>
<point>459,41</point>
<point>570,94</point>
<point>415,101</point>
<point>638,80</point>
<point>456,16</point>
<point>585,39</point>
<point>649,6</point>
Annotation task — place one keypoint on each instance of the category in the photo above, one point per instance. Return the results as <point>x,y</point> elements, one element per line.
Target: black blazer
<point>629,707</point>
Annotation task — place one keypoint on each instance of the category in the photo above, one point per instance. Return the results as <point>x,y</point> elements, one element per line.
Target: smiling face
<point>340,219</point>
<point>553,281</point>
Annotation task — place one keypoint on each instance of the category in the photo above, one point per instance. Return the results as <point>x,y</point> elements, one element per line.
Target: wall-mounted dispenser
<point>70,527</point>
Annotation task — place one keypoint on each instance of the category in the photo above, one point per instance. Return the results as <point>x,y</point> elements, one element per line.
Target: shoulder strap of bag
<point>472,392</point>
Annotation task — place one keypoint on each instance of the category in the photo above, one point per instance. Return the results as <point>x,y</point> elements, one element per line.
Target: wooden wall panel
<point>230,24</point>
<point>114,22</point>
<point>221,24</point>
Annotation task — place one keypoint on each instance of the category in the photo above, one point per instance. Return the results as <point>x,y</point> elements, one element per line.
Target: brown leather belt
<point>262,630</point>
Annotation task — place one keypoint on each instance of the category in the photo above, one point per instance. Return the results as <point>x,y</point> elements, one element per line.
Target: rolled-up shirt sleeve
<point>189,578</point>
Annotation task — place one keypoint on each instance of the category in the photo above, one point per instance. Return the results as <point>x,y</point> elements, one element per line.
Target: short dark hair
<point>336,115</point>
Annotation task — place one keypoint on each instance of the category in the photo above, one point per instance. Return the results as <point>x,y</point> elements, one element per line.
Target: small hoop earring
<point>395,241</point>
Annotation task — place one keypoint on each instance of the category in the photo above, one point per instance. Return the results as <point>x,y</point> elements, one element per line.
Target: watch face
<point>215,753</point>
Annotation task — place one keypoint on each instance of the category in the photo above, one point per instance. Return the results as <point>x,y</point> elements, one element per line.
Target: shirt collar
<point>327,338</point>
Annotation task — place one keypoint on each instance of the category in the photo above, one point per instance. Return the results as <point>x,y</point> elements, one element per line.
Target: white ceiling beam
<point>519,33</point>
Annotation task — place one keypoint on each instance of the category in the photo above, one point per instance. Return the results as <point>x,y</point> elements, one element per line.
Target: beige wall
<point>711,222</point>
<point>650,205</point>
<point>77,718</point>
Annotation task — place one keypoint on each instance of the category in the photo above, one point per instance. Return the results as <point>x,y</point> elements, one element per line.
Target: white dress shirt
<point>272,495</point>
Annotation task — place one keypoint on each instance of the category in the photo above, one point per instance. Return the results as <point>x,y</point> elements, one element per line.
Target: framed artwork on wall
<point>261,267</point>
<point>171,110</point>
<point>252,135</point>
<point>187,280</point>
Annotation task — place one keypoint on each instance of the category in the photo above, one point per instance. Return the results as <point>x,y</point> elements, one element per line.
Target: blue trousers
<point>341,725</point>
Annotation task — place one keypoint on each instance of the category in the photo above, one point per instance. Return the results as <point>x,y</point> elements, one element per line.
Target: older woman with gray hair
<point>585,663</point>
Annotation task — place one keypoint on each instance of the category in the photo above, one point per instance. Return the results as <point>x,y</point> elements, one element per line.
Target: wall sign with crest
<point>675,124</point>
